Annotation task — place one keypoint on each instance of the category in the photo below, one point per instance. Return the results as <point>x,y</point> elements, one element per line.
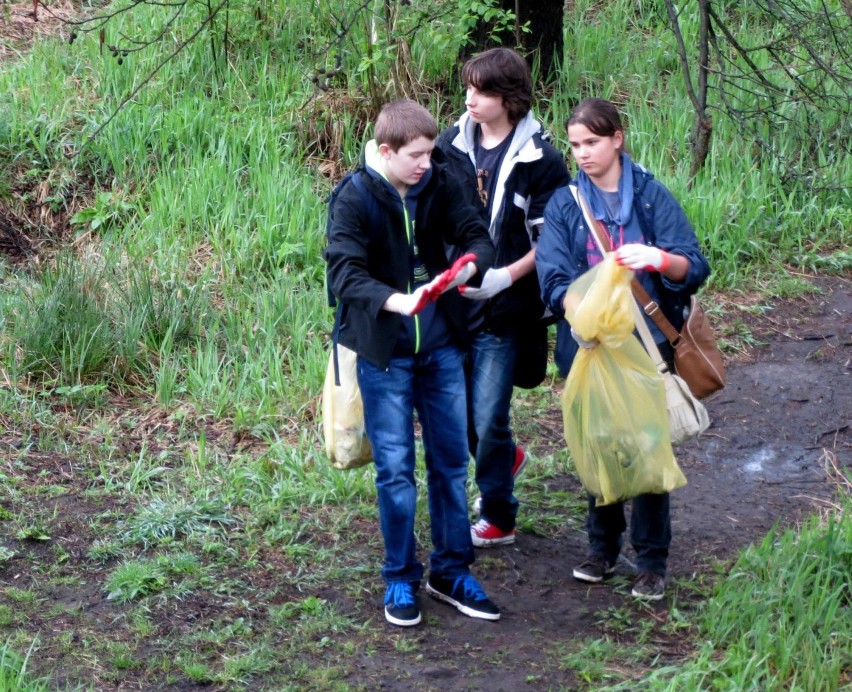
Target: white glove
<point>464,275</point>
<point>494,281</point>
<point>408,303</point>
<point>639,256</point>
<point>583,343</point>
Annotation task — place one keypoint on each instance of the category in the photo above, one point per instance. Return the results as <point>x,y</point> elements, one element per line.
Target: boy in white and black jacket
<point>500,152</point>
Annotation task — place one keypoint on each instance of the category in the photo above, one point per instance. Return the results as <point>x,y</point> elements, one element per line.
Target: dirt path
<point>786,409</point>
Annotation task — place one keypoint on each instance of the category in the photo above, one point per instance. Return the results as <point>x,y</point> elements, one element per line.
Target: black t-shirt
<point>487,167</point>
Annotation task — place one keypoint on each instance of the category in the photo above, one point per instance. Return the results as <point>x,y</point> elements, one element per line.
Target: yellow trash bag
<point>614,401</point>
<point>345,436</point>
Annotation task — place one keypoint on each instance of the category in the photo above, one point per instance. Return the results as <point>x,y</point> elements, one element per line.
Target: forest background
<point>164,325</point>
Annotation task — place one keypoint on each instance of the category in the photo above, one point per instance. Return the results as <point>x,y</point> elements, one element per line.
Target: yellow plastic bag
<point>614,402</point>
<point>346,440</point>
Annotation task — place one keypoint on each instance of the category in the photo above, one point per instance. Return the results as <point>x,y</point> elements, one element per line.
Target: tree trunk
<point>542,43</point>
<point>702,134</point>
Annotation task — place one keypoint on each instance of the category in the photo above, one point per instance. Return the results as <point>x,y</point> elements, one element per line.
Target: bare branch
<point>682,54</point>
<point>207,20</point>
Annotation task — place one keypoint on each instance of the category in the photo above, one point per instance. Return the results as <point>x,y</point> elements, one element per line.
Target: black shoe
<point>649,586</point>
<point>400,607</point>
<point>464,593</point>
<point>595,569</point>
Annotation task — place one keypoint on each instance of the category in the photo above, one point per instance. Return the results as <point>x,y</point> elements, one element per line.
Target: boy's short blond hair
<point>401,122</point>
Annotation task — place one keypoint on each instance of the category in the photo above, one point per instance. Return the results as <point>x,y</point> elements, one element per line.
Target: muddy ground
<point>786,411</point>
<point>785,416</point>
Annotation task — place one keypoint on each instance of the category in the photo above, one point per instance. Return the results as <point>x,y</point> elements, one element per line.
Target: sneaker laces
<point>400,594</point>
<point>597,561</point>
<point>481,525</point>
<point>648,580</point>
<point>472,590</point>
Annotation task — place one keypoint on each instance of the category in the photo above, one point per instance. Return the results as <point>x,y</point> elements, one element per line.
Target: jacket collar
<point>522,149</point>
<point>372,164</point>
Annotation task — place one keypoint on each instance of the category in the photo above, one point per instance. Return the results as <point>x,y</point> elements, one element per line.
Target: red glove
<point>412,303</point>
<point>457,274</point>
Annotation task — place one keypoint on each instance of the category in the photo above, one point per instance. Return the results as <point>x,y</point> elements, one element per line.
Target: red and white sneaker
<point>484,534</point>
<point>520,461</point>
<point>517,467</point>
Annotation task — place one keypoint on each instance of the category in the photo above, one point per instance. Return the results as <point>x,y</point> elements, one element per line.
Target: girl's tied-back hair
<point>600,116</point>
<point>501,72</point>
<point>403,121</point>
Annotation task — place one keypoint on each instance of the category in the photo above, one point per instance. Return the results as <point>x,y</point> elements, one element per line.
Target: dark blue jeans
<point>490,371</point>
<point>650,531</point>
<point>433,385</point>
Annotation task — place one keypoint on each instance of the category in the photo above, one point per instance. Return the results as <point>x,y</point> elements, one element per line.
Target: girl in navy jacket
<point>650,234</point>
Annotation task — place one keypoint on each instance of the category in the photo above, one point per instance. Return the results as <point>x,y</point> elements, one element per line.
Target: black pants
<point>650,531</point>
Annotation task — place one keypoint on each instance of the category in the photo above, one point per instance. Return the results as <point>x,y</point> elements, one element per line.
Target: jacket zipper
<point>407,222</point>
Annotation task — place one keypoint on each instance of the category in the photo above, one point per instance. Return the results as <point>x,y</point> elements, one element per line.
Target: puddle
<point>769,462</point>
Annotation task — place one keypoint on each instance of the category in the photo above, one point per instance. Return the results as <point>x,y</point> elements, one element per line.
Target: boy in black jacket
<point>497,147</point>
<point>408,325</point>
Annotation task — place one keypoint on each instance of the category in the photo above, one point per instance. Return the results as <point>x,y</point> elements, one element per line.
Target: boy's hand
<point>638,256</point>
<point>494,281</point>
<point>408,303</point>
<point>411,303</point>
<point>464,275</point>
<point>461,271</point>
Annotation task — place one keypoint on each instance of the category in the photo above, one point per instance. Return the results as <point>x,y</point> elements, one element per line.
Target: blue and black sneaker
<point>400,607</point>
<point>464,593</point>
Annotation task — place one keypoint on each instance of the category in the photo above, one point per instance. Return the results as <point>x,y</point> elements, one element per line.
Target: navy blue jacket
<point>561,253</point>
<point>367,264</point>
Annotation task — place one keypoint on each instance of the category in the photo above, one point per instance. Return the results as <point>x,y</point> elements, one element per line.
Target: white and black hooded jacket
<point>532,169</point>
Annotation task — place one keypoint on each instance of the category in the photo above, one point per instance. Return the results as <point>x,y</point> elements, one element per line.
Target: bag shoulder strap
<point>649,305</point>
<point>373,211</point>
<point>648,340</point>
<point>605,246</point>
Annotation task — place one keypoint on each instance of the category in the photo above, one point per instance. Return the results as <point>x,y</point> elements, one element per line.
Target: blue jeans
<point>433,385</point>
<point>490,371</point>
<point>650,531</point>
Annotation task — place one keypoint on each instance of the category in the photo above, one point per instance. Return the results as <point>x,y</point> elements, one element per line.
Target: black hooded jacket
<point>367,264</point>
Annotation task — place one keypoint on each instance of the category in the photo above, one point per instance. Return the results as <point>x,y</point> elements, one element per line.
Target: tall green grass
<point>13,672</point>
<point>780,619</point>
<point>230,210</point>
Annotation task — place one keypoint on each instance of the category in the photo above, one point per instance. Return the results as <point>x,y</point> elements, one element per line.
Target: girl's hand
<point>581,342</point>
<point>638,256</point>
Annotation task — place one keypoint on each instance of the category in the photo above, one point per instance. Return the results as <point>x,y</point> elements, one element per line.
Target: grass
<point>793,588</point>
<point>161,364</point>
<point>776,618</point>
<point>13,672</point>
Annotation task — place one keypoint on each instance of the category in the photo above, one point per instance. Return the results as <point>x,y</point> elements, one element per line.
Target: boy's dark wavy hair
<point>501,72</point>
<point>600,116</point>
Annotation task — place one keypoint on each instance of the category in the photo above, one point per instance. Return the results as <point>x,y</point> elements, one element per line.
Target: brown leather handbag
<point>697,358</point>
